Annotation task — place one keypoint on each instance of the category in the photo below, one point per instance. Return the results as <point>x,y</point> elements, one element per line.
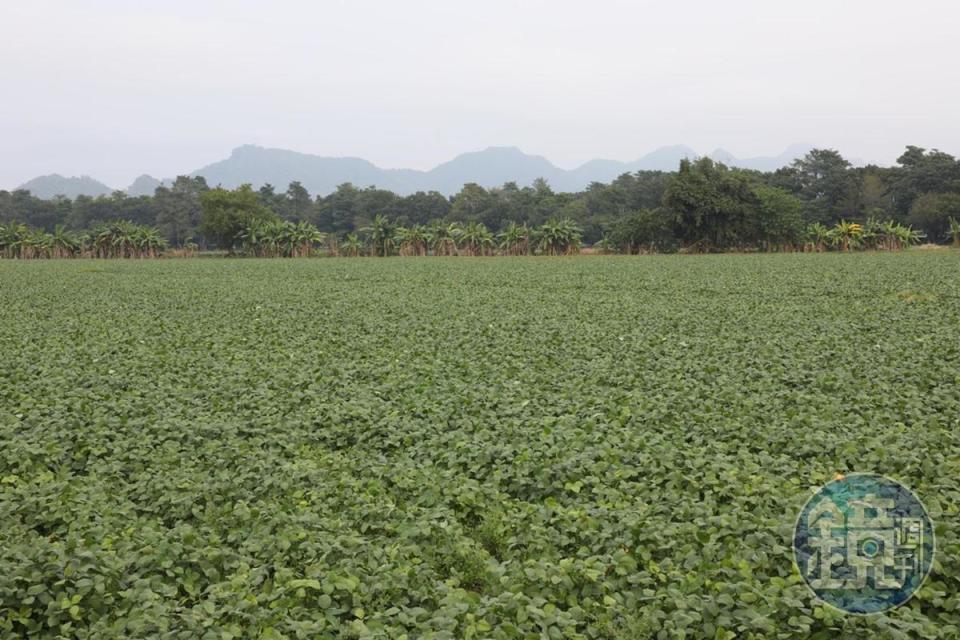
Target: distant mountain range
<point>491,167</point>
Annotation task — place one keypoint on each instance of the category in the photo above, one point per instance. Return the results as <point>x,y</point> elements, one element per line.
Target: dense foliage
<point>118,239</point>
<point>514,448</point>
<point>279,239</point>
<point>703,205</point>
<point>382,238</point>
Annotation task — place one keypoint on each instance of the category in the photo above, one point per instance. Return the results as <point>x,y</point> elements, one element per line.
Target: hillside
<point>54,185</point>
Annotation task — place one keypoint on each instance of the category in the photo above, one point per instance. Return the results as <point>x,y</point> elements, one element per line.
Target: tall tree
<point>422,208</point>
<point>825,182</point>
<point>297,205</point>
<point>179,209</point>
<point>270,198</point>
<point>711,204</point>
<point>931,214</point>
<point>335,213</point>
<point>470,204</point>
<point>920,172</point>
<point>642,231</point>
<point>777,223</point>
<point>227,213</point>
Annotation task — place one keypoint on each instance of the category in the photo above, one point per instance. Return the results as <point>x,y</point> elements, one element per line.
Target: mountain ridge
<point>52,185</point>
<point>490,167</point>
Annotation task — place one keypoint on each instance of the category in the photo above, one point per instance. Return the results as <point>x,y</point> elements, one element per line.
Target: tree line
<point>118,239</point>
<point>820,201</point>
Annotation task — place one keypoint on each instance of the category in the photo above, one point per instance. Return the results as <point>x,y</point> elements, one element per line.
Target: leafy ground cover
<point>593,447</point>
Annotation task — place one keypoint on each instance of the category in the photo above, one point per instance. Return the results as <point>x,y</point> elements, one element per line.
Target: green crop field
<point>591,447</point>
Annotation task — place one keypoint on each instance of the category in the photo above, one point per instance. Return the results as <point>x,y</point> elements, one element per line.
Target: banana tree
<point>381,233</point>
<point>605,245</point>
<point>251,237</point>
<point>147,242</point>
<point>12,239</point>
<point>412,241</point>
<point>444,238</point>
<point>306,238</point>
<point>817,237</point>
<point>907,236</point>
<point>476,240</point>
<point>847,235</point>
<point>515,239</point>
<point>64,244</point>
<point>352,246</point>
<point>871,236</point>
<point>35,244</point>
<point>954,231</point>
<point>559,237</point>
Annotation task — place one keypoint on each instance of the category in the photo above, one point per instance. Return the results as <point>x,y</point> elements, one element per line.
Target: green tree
<point>178,208</point>
<point>471,204</point>
<point>297,204</point>
<point>825,182</point>
<point>921,172</point>
<point>873,193</point>
<point>711,205</point>
<point>423,208</point>
<point>336,212</point>
<point>270,198</point>
<point>371,202</point>
<point>643,231</point>
<point>778,222</point>
<point>931,213</point>
<point>227,213</point>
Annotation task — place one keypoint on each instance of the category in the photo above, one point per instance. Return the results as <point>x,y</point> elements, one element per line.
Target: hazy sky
<point>114,89</point>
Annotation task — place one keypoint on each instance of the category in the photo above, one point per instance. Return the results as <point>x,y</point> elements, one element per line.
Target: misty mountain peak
<point>489,167</point>
<point>144,185</point>
<point>246,150</point>
<point>53,185</point>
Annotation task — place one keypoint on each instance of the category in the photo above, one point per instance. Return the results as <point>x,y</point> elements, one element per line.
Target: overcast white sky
<point>116,88</point>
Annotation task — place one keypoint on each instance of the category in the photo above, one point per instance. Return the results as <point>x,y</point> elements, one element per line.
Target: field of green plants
<point>583,447</point>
